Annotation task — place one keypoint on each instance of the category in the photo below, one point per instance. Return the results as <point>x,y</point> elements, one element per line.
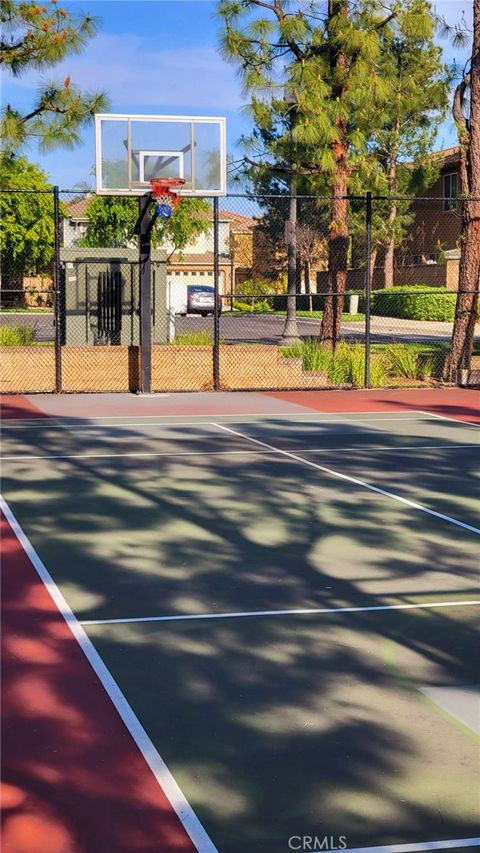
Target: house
<point>76,220</point>
<point>437,224</point>
<point>194,264</point>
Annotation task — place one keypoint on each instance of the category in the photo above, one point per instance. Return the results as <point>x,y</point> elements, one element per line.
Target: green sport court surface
<point>288,604</point>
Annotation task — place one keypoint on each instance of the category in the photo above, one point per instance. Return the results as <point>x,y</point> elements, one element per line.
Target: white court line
<point>315,419</point>
<point>253,452</point>
<point>450,420</point>
<point>314,413</point>
<point>450,844</point>
<point>169,786</point>
<point>356,481</point>
<point>257,613</point>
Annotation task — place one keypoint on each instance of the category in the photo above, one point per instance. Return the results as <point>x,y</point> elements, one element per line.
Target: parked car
<point>200,299</point>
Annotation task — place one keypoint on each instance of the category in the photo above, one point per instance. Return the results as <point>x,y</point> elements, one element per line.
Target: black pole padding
<point>144,229</point>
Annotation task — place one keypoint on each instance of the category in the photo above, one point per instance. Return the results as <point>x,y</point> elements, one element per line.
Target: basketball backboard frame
<point>139,155</point>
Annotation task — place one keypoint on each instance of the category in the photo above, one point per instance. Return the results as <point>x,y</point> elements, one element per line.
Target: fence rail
<point>249,298</point>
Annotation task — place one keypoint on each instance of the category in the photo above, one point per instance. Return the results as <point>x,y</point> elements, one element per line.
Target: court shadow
<point>275,726</point>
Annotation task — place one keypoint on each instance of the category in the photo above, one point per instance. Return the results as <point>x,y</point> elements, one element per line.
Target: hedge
<point>303,301</point>
<point>409,302</point>
<point>415,302</point>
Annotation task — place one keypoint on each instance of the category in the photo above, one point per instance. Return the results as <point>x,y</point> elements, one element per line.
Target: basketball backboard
<point>130,150</point>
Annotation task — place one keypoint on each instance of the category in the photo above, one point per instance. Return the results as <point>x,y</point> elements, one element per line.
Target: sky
<point>161,57</point>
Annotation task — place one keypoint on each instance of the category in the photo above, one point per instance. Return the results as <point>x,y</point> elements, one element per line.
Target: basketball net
<point>166,191</point>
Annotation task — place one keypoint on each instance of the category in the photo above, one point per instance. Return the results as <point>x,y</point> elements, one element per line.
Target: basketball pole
<point>143,228</point>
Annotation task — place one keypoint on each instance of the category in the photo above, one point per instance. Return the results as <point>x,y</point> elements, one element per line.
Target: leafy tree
<point>318,68</point>
<point>257,289</point>
<point>112,221</point>
<point>270,167</point>
<point>466,112</point>
<point>26,225</point>
<point>404,128</point>
<point>37,37</point>
<point>311,246</point>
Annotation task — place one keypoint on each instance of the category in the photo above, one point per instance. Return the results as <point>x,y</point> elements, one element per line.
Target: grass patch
<point>17,336</point>
<point>194,339</point>
<point>317,315</point>
<point>310,315</point>
<point>26,310</point>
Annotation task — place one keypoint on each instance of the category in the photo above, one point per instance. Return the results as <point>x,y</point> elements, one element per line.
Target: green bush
<point>412,362</point>
<point>260,306</point>
<point>388,364</point>
<point>345,366</point>
<point>255,287</point>
<point>242,306</point>
<point>402,360</point>
<point>415,302</point>
<point>16,336</point>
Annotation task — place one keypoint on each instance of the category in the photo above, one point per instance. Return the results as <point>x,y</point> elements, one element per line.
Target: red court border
<point>74,780</point>
<point>453,403</point>
<point>18,406</point>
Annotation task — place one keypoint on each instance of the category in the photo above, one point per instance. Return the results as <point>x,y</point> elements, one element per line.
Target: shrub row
<point>413,302</point>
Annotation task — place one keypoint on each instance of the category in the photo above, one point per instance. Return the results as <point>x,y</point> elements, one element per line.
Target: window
<point>450,191</point>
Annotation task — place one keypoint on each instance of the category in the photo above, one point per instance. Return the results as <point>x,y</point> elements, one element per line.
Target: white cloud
<point>135,77</point>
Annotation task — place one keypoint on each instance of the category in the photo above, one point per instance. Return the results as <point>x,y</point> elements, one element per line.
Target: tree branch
<point>386,21</point>
<point>458,101</point>
<point>277,10</point>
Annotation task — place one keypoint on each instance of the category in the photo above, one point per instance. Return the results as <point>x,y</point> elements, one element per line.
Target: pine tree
<point>38,37</point>
<point>404,131</point>
<point>321,67</point>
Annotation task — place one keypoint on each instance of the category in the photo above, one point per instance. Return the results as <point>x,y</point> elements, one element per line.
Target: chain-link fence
<point>266,292</point>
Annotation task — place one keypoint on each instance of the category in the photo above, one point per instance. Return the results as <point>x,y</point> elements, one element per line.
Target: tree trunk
<point>392,213</point>
<point>388,270</point>
<point>460,354</point>
<point>337,255</point>
<point>338,231</point>
<point>290,331</point>
<point>308,289</point>
<point>467,298</point>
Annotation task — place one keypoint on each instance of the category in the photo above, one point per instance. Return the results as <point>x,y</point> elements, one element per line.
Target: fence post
<point>368,283</point>
<point>143,228</point>
<point>57,276</point>
<point>216,283</point>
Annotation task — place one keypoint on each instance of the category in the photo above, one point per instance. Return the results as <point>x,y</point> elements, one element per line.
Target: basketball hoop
<point>166,191</point>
